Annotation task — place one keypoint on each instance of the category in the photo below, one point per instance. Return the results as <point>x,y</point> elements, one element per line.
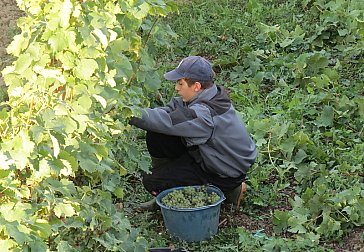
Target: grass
<point>255,47</point>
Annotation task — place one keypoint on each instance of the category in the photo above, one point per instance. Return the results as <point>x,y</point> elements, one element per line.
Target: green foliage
<point>80,68</point>
<point>260,242</point>
<point>311,125</point>
<point>294,69</point>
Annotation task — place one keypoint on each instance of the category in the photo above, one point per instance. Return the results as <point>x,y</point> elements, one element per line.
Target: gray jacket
<point>209,127</point>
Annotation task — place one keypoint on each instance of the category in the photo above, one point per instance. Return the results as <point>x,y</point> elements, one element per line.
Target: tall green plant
<point>77,65</point>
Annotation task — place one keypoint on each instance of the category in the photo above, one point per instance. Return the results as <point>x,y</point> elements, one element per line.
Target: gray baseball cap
<point>193,67</point>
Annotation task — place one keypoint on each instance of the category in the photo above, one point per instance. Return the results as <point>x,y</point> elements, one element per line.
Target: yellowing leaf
<point>44,170</point>
<point>23,63</point>
<point>50,73</point>
<point>65,156</point>
<point>67,170</point>
<point>86,68</point>
<point>63,209</point>
<point>82,105</point>
<point>141,11</point>
<point>66,13</point>
<point>58,41</point>
<point>102,37</point>
<point>20,149</point>
<point>7,245</point>
<point>60,110</point>
<point>55,145</point>
<point>123,171</point>
<point>17,45</point>
<point>119,45</point>
<point>5,162</point>
<point>101,100</point>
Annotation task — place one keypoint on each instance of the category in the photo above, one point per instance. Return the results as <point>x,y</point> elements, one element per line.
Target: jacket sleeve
<point>193,123</point>
<point>171,105</point>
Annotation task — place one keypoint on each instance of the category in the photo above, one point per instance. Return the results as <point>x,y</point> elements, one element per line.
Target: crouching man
<point>197,138</point>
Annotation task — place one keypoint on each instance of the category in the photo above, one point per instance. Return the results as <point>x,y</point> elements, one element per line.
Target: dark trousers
<point>180,169</point>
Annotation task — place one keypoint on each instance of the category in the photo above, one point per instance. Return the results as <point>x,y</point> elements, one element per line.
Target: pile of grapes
<point>190,197</point>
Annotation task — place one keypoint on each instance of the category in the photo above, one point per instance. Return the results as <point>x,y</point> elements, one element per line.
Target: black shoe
<point>150,205</point>
<point>236,195</point>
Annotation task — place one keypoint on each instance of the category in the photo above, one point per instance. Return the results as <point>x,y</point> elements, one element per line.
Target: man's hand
<point>133,120</point>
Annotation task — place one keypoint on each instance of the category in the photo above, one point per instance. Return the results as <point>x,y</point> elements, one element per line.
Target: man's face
<point>186,92</point>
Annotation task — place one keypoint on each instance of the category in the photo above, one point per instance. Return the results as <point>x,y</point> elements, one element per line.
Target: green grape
<point>190,197</point>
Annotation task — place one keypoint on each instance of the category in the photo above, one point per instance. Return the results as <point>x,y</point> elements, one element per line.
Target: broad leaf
<point>86,68</point>
<point>18,232</point>
<point>64,209</point>
<point>327,117</point>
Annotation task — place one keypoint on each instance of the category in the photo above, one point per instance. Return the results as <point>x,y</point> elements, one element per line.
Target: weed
<point>295,73</point>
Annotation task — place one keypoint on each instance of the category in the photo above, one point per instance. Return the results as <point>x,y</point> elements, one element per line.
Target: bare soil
<point>9,13</point>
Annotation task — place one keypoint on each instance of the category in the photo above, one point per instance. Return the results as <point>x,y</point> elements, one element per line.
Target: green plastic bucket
<point>192,224</point>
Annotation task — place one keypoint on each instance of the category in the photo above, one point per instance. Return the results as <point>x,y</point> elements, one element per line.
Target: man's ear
<point>198,86</point>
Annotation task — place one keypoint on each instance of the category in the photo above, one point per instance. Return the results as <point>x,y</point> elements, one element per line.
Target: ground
<point>9,12</point>
<point>352,242</point>
<point>258,222</point>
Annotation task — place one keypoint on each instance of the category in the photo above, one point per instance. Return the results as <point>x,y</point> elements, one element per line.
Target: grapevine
<point>80,69</point>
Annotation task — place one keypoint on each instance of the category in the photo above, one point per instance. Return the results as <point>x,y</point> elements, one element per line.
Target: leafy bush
<point>80,68</point>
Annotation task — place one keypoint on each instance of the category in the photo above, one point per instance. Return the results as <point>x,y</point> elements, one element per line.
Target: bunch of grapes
<point>190,197</point>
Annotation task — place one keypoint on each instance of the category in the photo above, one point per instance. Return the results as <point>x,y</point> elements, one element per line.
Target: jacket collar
<point>206,94</point>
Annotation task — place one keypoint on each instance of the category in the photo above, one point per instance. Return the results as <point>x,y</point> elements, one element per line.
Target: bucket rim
<point>167,191</point>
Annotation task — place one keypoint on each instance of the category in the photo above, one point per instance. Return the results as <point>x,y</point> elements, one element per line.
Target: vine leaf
<point>58,41</point>
<point>23,62</point>
<point>18,232</point>
<point>142,11</point>
<point>86,68</point>
<point>327,117</point>
<point>55,145</point>
<point>62,209</point>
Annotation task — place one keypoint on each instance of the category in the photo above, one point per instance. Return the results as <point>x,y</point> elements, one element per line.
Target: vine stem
<point>268,147</point>
<point>343,215</point>
<point>352,174</point>
<point>30,113</point>
<point>361,131</point>
<point>4,130</point>
<point>313,220</point>
<point>144,45</point>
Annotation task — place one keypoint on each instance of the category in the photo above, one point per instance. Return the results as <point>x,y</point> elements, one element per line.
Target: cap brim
<point>173,76</point>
